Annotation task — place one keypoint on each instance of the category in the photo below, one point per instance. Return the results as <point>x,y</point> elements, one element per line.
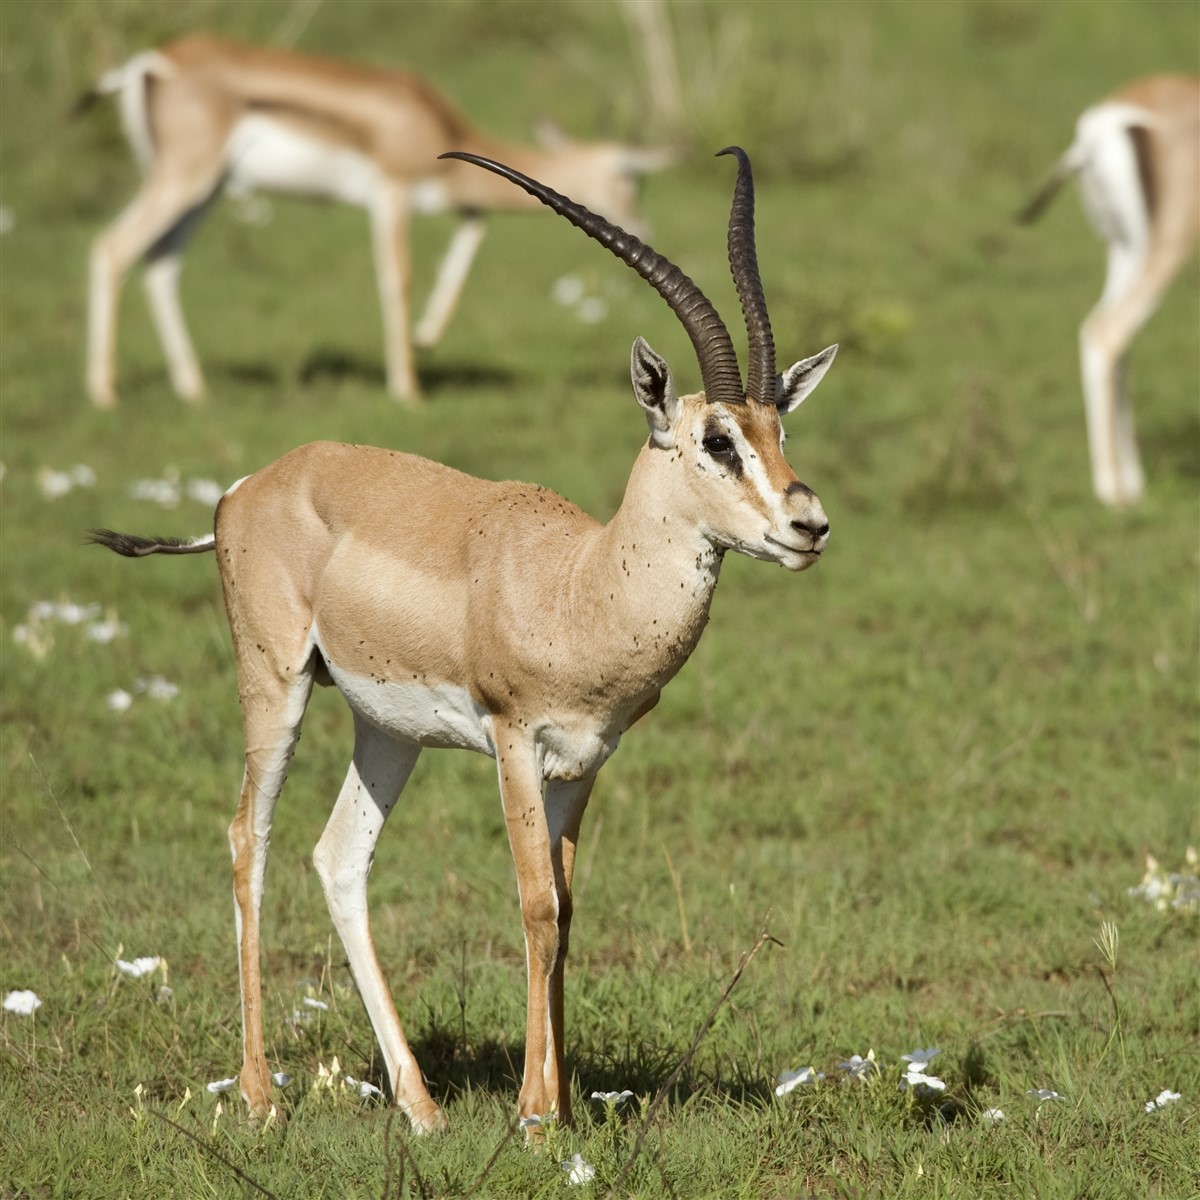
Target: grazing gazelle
<point>1137,155</point>
<point>496,617</point>
<point>203,113</point>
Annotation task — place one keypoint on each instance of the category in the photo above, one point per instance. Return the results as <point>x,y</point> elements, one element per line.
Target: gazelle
<point>1137,155</point>
<point>203,113</point>
<point>495,617</point>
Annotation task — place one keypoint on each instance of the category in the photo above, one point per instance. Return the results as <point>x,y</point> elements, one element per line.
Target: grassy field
<point>934,765</point>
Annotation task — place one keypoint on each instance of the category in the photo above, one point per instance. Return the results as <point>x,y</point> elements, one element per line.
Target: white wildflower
<point>104,632</point>
<point>53,483</point>
<point>221,1085</point>
<point>857,1067</point>
<point>24,1003</point>
<point>8,222</point>
<point>918,1060</point>
<point>591,310</point>
<point>119,700</point>
<point>992,1114</point>
<point>1043,1094</point>
<point>918,1080</point>
<point>612,1097</point>
<point>138,967</point>
<point>164,492</point>
<point>801,1077</point>
<point>204,491</point>
<point>567,290</point>
<point>312,1002</point>
<point>365,1090</point>
<point>1163,1098</point>
<point>157,688</point>
<point>579,1171</point>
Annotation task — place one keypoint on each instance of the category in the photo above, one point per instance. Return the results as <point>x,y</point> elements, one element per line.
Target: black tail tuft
<point>87,101</point>
<point>133,546</point>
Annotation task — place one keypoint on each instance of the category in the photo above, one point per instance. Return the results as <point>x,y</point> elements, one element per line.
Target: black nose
<point>817,531</point>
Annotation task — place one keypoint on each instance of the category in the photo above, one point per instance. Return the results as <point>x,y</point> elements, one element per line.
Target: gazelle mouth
<point>812,550</point>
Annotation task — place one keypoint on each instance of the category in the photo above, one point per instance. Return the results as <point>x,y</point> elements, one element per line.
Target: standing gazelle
<point>203,113</point>
<point>1137,156</point>
<point>496,617</point>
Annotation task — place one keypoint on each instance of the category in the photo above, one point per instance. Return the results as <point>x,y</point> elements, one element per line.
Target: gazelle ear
<point>655,392</point>
<point>799,379</point>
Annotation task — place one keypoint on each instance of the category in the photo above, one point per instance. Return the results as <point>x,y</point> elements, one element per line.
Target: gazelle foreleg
<point>159,215</point>
<point>377,775</point>
<point>544,1089</point>
<point>389,213</point>
<point>452,275</point>
<point>565,804</point>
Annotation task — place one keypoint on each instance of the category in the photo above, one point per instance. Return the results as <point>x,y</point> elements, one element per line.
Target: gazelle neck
<point>651,570</point>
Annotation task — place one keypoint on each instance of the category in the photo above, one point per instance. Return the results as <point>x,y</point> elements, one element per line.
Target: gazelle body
<point>496,617</point>
<point>1137,156</point>
<point>204,114</point>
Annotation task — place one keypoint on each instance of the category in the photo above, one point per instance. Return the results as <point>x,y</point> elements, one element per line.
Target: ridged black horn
<point>710,339</point>
<point>743,262</point>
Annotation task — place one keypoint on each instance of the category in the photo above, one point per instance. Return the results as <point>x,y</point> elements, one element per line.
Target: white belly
<point>439,714</point>
<point>445,716</point>
<point>267,154</point>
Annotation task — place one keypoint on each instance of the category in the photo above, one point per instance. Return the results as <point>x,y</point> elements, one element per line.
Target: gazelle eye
<point>719,446</point>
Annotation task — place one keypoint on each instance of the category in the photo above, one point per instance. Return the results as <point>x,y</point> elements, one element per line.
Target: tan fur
<point>396,573</point>
<point>1150,226</point>
<point>197,90</point>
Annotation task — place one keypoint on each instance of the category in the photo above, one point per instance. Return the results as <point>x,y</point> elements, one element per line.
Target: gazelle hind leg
<point>164,262</point>
<point>165,202</point>
<point>377,775</point>
<point>271,717</point>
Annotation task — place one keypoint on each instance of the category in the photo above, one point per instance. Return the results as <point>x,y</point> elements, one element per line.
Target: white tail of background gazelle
<point>203,113</point>
<point>1137,155</point>
<point>496,617</point>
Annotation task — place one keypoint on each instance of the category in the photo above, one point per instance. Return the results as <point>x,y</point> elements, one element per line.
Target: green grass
<point>937,761</point>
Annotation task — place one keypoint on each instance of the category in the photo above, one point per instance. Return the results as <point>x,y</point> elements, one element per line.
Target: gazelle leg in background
<point>377,775</point>
<point>389,212</point>
<point>164,262</point>
<point>452,275</point>
<point>160,214</point>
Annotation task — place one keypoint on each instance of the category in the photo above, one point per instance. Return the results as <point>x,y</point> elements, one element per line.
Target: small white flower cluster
<point>571,292</point>
<point>36,633</point>
<point>140,966</point>
<point>1167,890</point>
<point>227,1085</point>
<point>914,1073</point>
<point>916,1077</point>
<point>1163,1098</point>
<point>53,483</point>
<point>168,491</point>
<point>579,1171</point>
<point>155,687</point>
<point>23,1003</point>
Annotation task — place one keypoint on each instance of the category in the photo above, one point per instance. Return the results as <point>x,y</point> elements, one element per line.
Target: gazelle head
<point>725,442</point>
